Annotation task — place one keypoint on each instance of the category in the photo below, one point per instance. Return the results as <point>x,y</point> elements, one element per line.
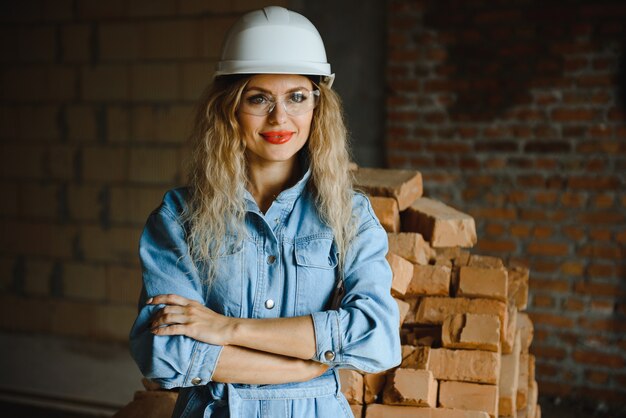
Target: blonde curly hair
<point>218,172</point>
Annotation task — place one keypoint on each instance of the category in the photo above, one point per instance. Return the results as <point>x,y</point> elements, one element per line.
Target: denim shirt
<point>286,266</point>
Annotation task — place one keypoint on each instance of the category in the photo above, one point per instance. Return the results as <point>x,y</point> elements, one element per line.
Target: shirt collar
<point>287,196</point>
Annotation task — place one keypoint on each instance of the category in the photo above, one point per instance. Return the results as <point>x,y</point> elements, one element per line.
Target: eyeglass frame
<point>274,101</point>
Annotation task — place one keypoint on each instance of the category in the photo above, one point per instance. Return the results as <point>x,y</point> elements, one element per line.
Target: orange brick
<point>387,411</point>
<point>415,357</point>
<point>471,331</point>
<point>525,325</point>
<point>402,273</point>
<point>431,280</point>
<point>410,387</point>
<point>518,286</point>
<point>440,224</point>
<point>410,317</point>
<point>387,212</point>
<point>522,382</point>
<point>403,185</point>
<point>411,246</point>
<point>434,310</point>
<point>150,403</point>
<point>357,410</point>
<point>533,395</point>
<point>404,308</point>
<point>508,340</point>
<point>476,282</point>
<point>352,385</point>
<point>465,365</point>
<point>509,378</point>
<point>485,261</point>
<point>373,386</point>
<point>469,396</point>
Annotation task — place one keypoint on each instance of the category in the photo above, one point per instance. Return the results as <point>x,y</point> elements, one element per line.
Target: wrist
<point>235,330</point>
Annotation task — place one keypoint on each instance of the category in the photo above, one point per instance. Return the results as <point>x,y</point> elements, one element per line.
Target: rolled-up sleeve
<point>363,333</point>
<point>167,268</point>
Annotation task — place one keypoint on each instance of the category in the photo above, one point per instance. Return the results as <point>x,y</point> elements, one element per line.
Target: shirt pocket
<point>226,290</point>
<point>316,269</point>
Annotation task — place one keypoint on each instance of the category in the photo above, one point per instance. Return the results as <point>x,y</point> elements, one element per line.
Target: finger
<point>169,330</point>
<point>169,299</point>
<point>169,319</point>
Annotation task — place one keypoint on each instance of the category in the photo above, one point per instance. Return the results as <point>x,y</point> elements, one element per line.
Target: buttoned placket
<point>270,281</point>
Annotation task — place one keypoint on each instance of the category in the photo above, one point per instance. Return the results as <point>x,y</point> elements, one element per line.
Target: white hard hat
<point>274,40</point>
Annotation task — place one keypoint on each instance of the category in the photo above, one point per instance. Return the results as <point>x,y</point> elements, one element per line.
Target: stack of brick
<point>464,333</point>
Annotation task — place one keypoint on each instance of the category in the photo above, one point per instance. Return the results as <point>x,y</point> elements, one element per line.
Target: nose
<point>278,114</point>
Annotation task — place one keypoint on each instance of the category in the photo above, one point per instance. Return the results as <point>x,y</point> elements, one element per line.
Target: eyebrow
<point>262,90</point>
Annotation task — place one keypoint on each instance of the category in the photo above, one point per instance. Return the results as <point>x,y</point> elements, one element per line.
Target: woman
<point>240,269</point>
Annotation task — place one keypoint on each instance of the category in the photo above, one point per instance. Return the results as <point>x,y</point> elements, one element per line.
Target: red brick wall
<point>95,103</point>
<point>510,111</point>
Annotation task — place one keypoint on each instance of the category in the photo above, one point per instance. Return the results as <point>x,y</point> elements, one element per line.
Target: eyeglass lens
<point>294,103</point>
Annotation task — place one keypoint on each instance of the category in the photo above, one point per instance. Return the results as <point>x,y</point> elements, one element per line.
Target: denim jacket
<point>286,266</point>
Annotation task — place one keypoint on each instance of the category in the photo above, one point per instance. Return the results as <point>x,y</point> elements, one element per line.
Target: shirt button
<point>329,355</point>
<point>196,381</point>
<point>271,259</point>
<point>269,304</point>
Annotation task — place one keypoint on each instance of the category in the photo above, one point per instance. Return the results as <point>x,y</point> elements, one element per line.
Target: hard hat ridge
<point>274,40</point>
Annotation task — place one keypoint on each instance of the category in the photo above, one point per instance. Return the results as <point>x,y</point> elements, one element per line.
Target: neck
<point>268,179</point>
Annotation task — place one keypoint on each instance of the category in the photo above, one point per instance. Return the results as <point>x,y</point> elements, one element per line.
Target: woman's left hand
<point>182,316</point>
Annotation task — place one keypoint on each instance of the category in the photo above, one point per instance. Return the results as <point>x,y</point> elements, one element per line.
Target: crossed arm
<point>255,351</point>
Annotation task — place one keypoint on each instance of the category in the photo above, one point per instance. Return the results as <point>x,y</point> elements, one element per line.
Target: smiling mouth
<point>277,137</point>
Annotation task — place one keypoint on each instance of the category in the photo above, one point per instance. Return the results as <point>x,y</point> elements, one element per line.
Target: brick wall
<point>95,103</point>
<point>510,110</point>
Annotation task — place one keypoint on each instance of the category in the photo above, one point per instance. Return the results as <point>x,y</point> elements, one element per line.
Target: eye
<point>298,97</point>
<point>257,99</point>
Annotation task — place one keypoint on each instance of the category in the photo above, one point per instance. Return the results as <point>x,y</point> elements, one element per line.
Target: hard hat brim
<point>236,67</point>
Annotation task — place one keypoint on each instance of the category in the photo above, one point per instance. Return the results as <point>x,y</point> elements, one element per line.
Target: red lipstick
<point>277,137</point>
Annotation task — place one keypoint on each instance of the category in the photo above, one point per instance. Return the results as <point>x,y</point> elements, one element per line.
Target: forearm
<point>243,365</point>
<point>292,337</point>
